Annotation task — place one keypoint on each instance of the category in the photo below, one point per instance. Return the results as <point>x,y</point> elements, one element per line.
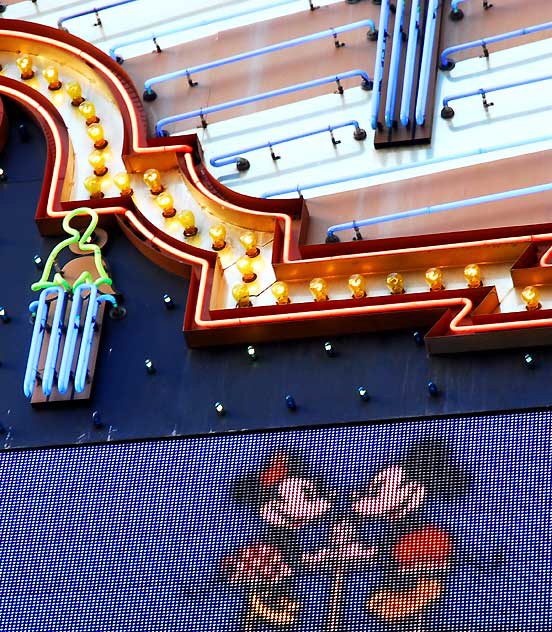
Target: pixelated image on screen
<point>430,525</point>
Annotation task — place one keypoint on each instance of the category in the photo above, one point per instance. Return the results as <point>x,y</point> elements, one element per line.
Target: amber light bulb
<point>249,241</point>
<point>531,297</point>
<point>395,283</point>
<point>434,278</point>
<point>97,162</point>
<point>472,274</point>
<point>218,234</point>
<point>50,73</point>
<point>280,292</point>
<point>165,202</point>
<point>240,292</point>
<point>357,285</point>
<point>94,187</point>
<point>319,289</point>
<point>245,266</point>
<point>122,182</point>
<point>73,89</point>
<point>96,133</point>
<point>25,65</point>
<point>152,179</point>
<point>187,220</point>
<point>88,112</point>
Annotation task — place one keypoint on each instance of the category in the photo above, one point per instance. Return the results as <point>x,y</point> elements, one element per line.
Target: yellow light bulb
<point>88,112</point>
<point>249,241</point>
<point>217,233</point>
<point>245,266</point>
<point>395,283</point>
<point>319,289</point>
<point>357,285</point>
<point>434,278</point>
<point>280,292</point>
<point>94,187</point>
<point>187,220</point>
<point>240,292</point>
<point>152,179</point>
<point>96,133</point>
<point>50,73</point>
<point>122,182</point>
<point>531,297</point>
<point>472,274</point>
<point>165,202</point>
<point>73,89</point>
<point>97,162</point>
<point>25,65</point>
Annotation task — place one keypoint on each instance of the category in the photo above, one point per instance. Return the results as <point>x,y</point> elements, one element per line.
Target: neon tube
<point>393,78</point>
<point>92,11</point>
<point>53,347</point>
<point>427,57</point>
<point>380,61</point>
<point>73,325</point>
<point>413,35</point>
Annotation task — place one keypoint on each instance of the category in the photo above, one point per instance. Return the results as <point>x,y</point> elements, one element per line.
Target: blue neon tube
<point>53,347</point>
<point>259,97</point>
<point>228,159</point>
<point>192,70</point>
<point>455,3</point>
<point>439,208</point>
<point>408,81</point>
<point>189,27</point>
<point>71,336</point>
<point>393,78</point>
<point>447,64</point>
<point>380,61</point>
<point>427,56</point>
<point>92,11</point>
<point>423,163</point>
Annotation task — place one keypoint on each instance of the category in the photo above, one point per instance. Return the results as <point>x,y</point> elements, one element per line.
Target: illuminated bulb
<point>434,278</point>
<point>531,297</point>
<point>280,292</point>
<point>96,133</point>
<point>73,89</point>
<point>319,289</point>
<point>94,186</point>
<point>245,266</point>
<point>357,285</point>
<point>240,292</point>
<point>25,66</point>
<point>472,274</point>
<point>249,241</point>
<point>152,179</point>
<point>218,234</point>
<point>50,73</point>
<point>122,182</point>
<point>88,112</point>
<point>187,220</point>
<point>395,283</point>
<point>165,202</point>
<point>97,162</point>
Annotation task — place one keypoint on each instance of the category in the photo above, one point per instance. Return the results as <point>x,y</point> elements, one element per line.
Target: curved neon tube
<point>393,78</point>
<point>40,309</point>
<point>53,346</point>
<point>92,11</point>
<point>412,48</point>
<point>73,325</point>
<point>259,97</point>
<point>427,56</point>
<point>186,72</point>
<point>380,61</point>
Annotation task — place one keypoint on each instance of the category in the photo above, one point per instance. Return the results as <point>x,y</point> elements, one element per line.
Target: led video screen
<point>430,525</point>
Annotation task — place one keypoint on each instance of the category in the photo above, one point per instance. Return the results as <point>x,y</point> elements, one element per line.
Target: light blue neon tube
<point>446,63</point>
<point>228,159</point>
<point>408,81</point>
<point>439,208</point>
<point>380,61</point>
<point>423,163</point>
<point>260,97</point>
<point>92,11</point>
<point>455,3</point>
<point>94,301</point>
<point>40,309</point>
<point>393,78</point>
<point>192,70</point>
<point>53,346</point>
<point>71,337</point>
<point>194,25</point>
<point>427,56</point>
